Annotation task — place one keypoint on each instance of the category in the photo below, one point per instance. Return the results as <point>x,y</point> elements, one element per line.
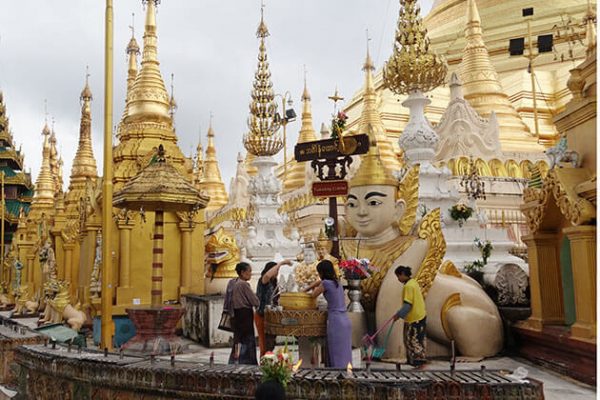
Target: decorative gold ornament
<point>448,268</point>
<point>560,184</point>
<point>311,323</point>
<point>412,66</point>
<point>451,301</point>
<point>222,255</point>
<point>409,191</point>
<point>382,256</point>
<point>430,229</point>
<point>263,138</point>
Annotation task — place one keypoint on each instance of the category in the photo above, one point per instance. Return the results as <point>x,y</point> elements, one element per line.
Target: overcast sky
<point>209,45</point>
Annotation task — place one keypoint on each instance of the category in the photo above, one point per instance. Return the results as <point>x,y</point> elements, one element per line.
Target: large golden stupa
<point>450,26</point>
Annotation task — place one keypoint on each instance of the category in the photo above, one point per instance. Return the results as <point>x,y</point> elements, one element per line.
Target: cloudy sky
<point>209,45</point>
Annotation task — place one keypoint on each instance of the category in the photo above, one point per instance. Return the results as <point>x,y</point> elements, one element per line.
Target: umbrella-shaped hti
<point>160,188</point>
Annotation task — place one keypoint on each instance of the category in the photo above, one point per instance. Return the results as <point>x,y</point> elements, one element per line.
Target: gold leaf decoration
<point>430,229</point>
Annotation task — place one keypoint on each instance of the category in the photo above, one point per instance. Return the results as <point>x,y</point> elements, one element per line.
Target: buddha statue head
<point>378,204</point>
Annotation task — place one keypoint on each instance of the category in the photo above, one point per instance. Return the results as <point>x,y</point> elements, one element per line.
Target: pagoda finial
<point>148,95</point>
<point>172,102</point>
<point>84,163</point>
<point>412,66</point>
<point>370,120</point>
<point>44,184</point>
<point>368,62</point>
<point>211,183</point>
<point>263,138</point>
<point>86,93</point>
<point>296,175</point>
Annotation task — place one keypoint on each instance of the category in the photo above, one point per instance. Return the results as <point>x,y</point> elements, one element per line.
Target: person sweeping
<point>415,318</point>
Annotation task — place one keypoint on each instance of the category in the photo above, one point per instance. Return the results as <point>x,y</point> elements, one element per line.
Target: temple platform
<point>49,371</point>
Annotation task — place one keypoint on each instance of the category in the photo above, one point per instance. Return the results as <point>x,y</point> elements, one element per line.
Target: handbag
<point>226,322</point>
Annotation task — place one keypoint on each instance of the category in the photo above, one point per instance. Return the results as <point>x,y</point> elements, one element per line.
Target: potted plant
<point>460,212</point>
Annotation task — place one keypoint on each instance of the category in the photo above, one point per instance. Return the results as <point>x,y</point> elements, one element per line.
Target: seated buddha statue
<point>383,211</point>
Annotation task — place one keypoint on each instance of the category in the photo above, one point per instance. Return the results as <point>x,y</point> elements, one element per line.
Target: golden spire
<point>54,162</point>
<point>44,184</point>
<point>146,122</point>
<point>483,90</point>
<point>133,50</point>
<point>263,138</point>
<point>148,97</point>
<point>412,67</point>
<point>212,184</point>
<point>199,164</point>
<point>172,102</point>
<point>296,175</point>
<point>371,120</point>
<point>84,163</point>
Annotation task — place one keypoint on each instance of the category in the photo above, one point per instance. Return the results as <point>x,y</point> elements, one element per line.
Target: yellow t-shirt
<point>413,295</point>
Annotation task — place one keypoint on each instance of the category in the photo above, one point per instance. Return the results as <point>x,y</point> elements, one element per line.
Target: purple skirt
<point>339,339</point>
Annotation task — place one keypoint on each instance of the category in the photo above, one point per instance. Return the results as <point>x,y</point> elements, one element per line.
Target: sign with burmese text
<point>330,188</point>
<point>332,148</point>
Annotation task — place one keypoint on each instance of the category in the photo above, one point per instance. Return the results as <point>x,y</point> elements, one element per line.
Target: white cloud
<point>209,45</point>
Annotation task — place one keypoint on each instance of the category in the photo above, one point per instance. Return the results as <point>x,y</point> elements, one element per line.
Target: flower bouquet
<point>460,212</point>
<point>338,124</point>
<point>355,268</point>
<point>278,367</point>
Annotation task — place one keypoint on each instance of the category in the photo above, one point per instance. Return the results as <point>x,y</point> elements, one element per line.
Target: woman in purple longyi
<point>339,328</point>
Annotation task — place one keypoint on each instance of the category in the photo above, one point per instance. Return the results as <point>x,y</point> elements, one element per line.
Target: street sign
<point>330,188</point>
<point>332,148</point>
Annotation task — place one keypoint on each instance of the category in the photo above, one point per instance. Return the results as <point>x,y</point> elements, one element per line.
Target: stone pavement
<point>556,387</point>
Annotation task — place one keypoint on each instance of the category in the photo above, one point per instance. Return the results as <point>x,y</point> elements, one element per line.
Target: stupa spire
<point>84,163</point>
<point>296,171</point>
<point>199,164</point>
<point>133,50</point>
<point>483,90</point>
<point>263,138</point>
<point>212,184</point>
<point>44,184</point>
<point>370,120</point>
<point>149,97</point>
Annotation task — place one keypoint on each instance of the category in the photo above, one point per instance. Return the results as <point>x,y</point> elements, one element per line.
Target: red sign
<point>330,188</point>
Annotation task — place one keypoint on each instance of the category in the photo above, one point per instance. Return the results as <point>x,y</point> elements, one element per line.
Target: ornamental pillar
<point>124,290</point>
<point>124,253</point>
<point>68,267</point>
<point>544,280</point>
<point>30,258</point>
<point>583,256</point>
<point>185,280</point>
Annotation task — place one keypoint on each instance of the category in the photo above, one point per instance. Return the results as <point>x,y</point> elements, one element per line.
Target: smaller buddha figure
<point>305,272</point>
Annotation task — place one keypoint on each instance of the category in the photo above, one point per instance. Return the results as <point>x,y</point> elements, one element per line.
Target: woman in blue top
<point>339,328</point>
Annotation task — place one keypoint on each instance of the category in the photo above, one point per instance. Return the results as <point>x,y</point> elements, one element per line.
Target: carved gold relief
<point>451,301</point>
<point>430,229</point>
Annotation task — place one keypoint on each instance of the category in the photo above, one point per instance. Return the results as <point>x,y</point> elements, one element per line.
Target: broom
<point>369,341</point>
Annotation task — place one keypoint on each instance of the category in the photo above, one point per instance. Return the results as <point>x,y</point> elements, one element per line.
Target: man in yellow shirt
<point>415,317</point>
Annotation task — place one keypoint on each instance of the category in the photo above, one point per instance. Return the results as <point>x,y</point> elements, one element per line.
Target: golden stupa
<point>499,22</point>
